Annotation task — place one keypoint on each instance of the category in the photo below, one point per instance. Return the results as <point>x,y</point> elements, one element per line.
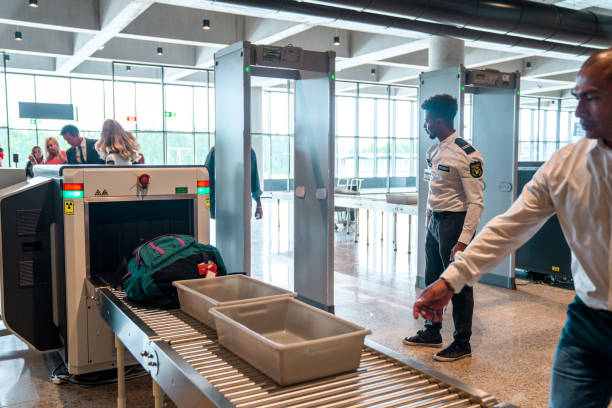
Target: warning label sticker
<point>69,207</point>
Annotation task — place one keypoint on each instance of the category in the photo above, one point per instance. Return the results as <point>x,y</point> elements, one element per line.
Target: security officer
<point>454,206</point>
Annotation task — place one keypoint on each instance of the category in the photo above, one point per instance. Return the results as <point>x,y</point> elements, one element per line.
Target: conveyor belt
<point>180,346</point>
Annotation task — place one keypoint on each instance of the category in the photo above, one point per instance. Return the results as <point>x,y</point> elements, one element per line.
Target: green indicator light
<point>247,69</point>
<point>518,92</point>
<point>73,194</point>
<point>463,88</point>
<point>203,190</point>
<point>181,190</point>
<point>333,76</point>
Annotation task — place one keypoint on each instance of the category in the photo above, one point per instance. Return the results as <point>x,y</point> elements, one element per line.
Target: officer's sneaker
<point>423,338</point>
<point>455,351</point>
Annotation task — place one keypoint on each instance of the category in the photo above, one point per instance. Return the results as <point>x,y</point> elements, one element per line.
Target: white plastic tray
<point>288,340</point>
<point>197,296</point>
<point>402,198</point>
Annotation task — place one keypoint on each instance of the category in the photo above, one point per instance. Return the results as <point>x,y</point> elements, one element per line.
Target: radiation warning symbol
<point>69,207</point>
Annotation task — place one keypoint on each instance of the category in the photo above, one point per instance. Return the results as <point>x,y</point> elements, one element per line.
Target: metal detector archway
<point>314,153</point>
<point>495,124</point>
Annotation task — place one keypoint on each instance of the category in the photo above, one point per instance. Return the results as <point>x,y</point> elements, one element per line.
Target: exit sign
<point>131,118</point>
<point>170,114</point>
<point>32,121</point>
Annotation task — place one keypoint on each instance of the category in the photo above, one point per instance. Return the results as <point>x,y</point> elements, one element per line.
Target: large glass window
<point>382,138</point>
<point>345,157</point>
<point>88,101</point>
<point>180,148</point>
<point>125,104</point>
<point>279,107</point>
<point>279,157</point>
<point>151,146</point>
<point>376,126</point>
<point>200,109</point>
<point>179,108</point>
<point>149,110</point>
<point>345,116</point>
<point>545,125</point>
<point>2,102</point>
<point>22,142</point>
<point>20,88</point>
<point>366,117</point>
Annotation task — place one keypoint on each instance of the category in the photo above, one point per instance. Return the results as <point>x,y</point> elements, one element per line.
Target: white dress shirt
<point>83,146</point>
<point>455,176</point>
<point>576,184</point>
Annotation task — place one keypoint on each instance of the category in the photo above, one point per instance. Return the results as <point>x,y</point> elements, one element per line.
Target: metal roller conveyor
<point>186,361</point>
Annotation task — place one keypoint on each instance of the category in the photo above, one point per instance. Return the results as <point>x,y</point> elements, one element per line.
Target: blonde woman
<point>116,145</point>
<point>54,154</point>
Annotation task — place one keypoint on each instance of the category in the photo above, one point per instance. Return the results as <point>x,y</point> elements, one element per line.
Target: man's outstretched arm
<point>502,235</point>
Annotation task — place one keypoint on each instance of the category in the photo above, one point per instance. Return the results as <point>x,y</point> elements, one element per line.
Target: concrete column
<point>445,52</point>
<point>257,127</point>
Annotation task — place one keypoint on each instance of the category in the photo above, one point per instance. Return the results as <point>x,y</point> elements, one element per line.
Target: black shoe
<point>455,351</point>
<point>422,338</point>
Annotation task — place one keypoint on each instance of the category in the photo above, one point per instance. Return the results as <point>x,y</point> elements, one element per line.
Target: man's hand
<point>258,210</point>
<point>459,247</point>
<point>431,303</point>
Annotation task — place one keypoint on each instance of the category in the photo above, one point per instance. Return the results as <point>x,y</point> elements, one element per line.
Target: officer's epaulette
<point>465,146</point>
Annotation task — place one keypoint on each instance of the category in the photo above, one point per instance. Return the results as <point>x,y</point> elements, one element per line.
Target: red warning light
<point>144,180</point>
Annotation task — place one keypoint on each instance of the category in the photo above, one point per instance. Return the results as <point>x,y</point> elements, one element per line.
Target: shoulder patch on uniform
<point>465,146</point>
<point>476,169</point>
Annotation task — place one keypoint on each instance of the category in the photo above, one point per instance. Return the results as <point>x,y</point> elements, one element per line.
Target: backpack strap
<point>156,248</point>
<point>120,275</point>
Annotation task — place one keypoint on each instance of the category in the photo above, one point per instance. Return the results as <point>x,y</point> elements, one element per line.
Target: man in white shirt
<point>454,206</point>
<point>576,184</point>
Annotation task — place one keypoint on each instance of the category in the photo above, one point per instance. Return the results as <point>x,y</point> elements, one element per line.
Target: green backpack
<point>163,260</point>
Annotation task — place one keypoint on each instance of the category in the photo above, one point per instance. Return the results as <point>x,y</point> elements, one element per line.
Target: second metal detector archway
<point>314,152</point>
<point>495,116</point>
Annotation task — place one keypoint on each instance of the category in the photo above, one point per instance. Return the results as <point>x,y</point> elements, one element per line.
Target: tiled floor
<point>514,332</point>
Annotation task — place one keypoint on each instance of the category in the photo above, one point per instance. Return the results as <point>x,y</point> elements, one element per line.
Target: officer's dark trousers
<point>442,235</point>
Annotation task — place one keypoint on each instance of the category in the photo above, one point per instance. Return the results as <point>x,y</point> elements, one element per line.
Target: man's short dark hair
<point>441,107</point>
<point>70,129</point>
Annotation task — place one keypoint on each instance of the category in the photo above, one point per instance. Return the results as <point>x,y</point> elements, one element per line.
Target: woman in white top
<point>116,145</point>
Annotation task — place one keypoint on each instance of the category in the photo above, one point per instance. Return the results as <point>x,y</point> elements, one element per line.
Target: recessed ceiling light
<point>18,36</point>
<point>206,24</point>
<point>336,40</point>
<point>33,3</point>
<point>160,51</point>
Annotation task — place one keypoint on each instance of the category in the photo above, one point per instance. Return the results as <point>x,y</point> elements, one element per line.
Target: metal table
<point>185,360</point>
<point>368,202</point>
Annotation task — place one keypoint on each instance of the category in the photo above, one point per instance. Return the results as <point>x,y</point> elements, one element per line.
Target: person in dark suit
<point>255,187</point>
<point>83,151</point>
